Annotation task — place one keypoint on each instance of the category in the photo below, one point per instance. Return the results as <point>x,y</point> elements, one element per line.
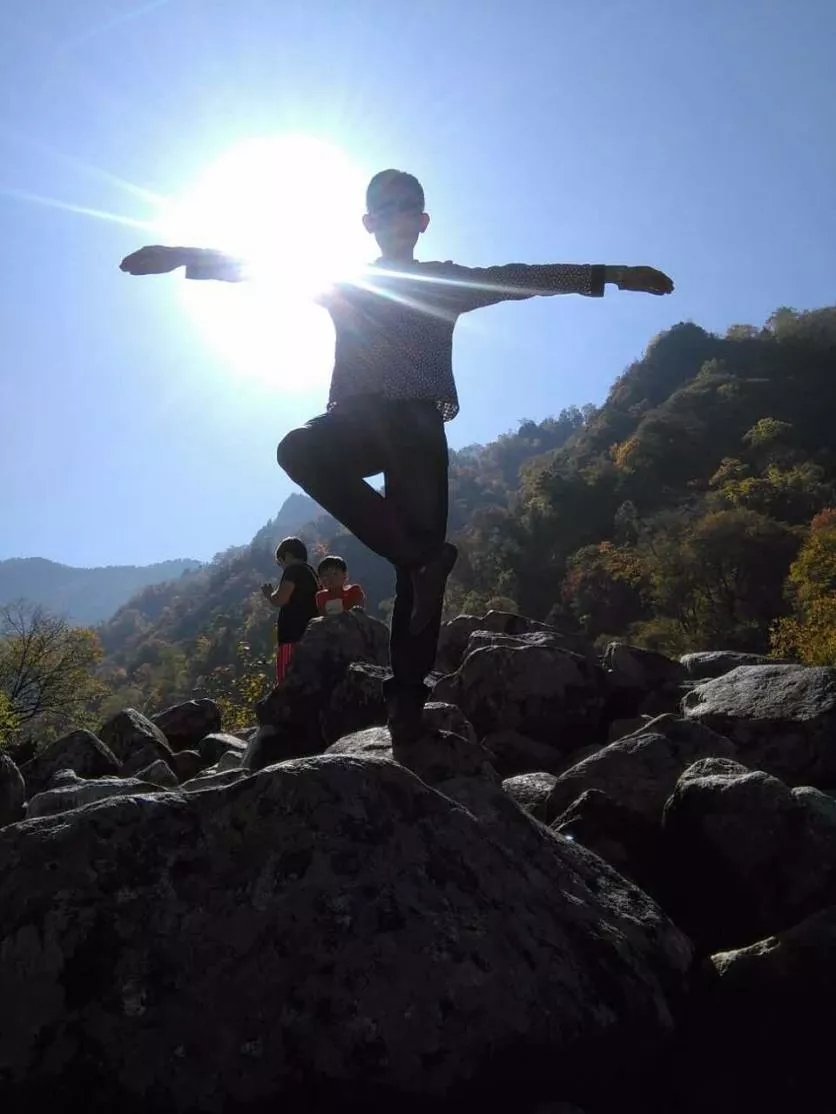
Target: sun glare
<point>289,207</point>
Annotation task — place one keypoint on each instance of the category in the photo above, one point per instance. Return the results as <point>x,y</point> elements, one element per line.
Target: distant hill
<point>91,596</point>
<point>84,596</point>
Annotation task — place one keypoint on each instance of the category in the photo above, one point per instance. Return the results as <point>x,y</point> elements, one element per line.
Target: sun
<point>290,207</point>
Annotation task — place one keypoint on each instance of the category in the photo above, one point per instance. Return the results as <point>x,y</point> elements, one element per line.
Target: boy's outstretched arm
<point>200,263</point>
<point>485,286</point>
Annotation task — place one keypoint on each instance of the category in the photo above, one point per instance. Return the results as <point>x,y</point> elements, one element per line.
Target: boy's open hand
<point>646,280</point>
<point>267,590</point>
<point>152,260</point>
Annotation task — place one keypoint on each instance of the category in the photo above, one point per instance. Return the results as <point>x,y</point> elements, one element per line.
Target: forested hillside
<point>689,510</point>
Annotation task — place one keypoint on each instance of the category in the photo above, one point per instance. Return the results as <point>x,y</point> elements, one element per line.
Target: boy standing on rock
<point>295,598</point>
<point>392,390</point>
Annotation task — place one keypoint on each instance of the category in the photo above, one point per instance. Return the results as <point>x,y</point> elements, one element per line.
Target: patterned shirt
<point>394,332</point>
<point>394,329</point>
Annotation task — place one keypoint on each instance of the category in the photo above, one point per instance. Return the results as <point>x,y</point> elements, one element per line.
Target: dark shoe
<point>428,584</point>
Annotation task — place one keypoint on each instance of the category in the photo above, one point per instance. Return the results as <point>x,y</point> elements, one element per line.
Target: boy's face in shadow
<point>396,222</point>
<point>333,579</point>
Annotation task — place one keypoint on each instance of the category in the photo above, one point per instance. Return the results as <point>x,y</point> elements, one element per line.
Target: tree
<point>8,720</point>
<point>604,588</point>
<point>810,634</point>
<point>47,669</point>
<point>720,576</point>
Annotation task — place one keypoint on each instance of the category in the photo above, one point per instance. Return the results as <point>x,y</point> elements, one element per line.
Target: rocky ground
<point>597,884</point>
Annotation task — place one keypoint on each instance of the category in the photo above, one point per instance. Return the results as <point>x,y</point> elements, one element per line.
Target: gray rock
<point>230,761</point>
<point>145,755</point>
<point>80,751</point>
<point>357,701</point>
<point>186,764</point>
<point>513,753</point>
<point>781,717</point>
<point>129,731</point>
<point>212,747</point>
<point>456,634</point>
<point>622,837</point>
<point>439,716</point>
<point>184,725</point>
<point>771,1002</point>
<point>320,662</point>
<point>158,773</point>
<point>708,664</point>
<point>641,770</point>
<point>620,728</point>
<point>215,779</point>
<point>435,758</point>
<point>545,693</point>
<point>352,927</point>
<point>632,667</point>
<point>530,791</point>
<point>753,857</point>
<point>67,797</point>
<point>12,792</point>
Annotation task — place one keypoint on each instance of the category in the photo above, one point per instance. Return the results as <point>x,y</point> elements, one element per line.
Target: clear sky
<point>696,137</point>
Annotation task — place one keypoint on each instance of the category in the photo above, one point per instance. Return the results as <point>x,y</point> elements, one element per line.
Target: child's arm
<point>200,263</point>
<point>280,596</point>
<point>356,596</point>
<point>476,287</point>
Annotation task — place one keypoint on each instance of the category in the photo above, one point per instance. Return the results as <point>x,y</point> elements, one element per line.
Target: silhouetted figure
<point>392,390</point>
<point>295,598</point>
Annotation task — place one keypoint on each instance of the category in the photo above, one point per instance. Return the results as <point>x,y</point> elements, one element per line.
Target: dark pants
<point>330,459</point>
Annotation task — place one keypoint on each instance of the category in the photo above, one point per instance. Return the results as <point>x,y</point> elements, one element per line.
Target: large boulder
<point>439,716</point>
<point>212,747</point>
<point>530,791</point>
<point>159,773</point>
<point>146,754</point>
<point>329,929</point>
<point>752,857</point>
<point>633,667</point>
<point>455,635</point>
<point>640,771</point>
<point>530,686</point>
<point>624,838</point>
<point>781,717</point>
<point>74,792</point>
<point>80,751</point>
<point>129,731</point>
<point>12,791</point>
<point>513,754</point>
<point>356,702</point>
<point>707,664</point>
<point>184,725</point>
<point>213,779</point>
<point>319,663</point>
<point>186,764</point>
<point>438,756</point>
<point>762,1032</point>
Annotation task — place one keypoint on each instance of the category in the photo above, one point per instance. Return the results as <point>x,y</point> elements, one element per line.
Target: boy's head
<point>395,211</point>
<point>290,550</point>
<point>333,573</point>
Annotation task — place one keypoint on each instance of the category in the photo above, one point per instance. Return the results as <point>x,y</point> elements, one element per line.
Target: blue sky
<point>699,138</point>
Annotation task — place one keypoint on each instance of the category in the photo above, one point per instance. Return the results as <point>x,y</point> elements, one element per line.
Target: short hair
<point>385,180</point>
<point>331,562</point>
<point>292,547</point>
